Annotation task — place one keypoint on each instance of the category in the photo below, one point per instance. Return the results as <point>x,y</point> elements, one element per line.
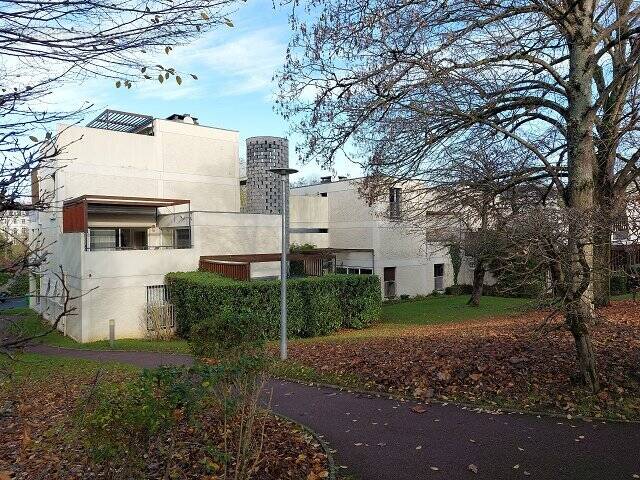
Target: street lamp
<point>284,175</point>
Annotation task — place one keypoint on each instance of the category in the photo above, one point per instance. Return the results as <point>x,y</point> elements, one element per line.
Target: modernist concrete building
<point>369,238</point>
<point>138,197</point>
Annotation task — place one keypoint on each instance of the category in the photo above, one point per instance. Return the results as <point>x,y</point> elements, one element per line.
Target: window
<point>389,277</point>
<point>160,312</point>
<point>118,238</point>
<point>394,202</point>
<point>354,270</point>
<point>133,238</point>
<point>103,238</point>
<point>438,276</point>
<point>182,238</point>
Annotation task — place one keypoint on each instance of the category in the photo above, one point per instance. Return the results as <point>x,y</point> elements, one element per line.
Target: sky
<point>234,89</point>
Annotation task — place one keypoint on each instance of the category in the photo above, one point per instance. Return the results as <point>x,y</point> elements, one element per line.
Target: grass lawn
<point>449,308</point>
<point>395,317</point>
<point>28,322</point>
<point>32,366</point>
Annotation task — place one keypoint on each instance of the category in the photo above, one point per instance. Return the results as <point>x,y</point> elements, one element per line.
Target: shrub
<point>19,285</point>
<point>226,334</point>
<point>121,422</point>
<point>619,283</point>
<point>316,305</point>
<point>460,289</point>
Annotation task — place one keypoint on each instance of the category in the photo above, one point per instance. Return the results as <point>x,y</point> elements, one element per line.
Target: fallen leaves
<point>494,360</point>
<point>418,409</point>
<point>37,441</point>
<point>472,468</point>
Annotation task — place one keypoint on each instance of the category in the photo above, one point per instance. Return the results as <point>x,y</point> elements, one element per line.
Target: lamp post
<point>284,175</point>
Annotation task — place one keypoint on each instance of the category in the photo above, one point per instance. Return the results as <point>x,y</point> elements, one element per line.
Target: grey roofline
<point>328,183</point>
<point>138,122</point>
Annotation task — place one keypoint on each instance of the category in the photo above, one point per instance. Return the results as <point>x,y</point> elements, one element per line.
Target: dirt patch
<point>506,361</point>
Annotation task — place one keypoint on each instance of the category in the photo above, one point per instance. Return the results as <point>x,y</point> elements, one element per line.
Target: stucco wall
<point>117,280</point>
<point>179,161</point>
<point>353,223</point>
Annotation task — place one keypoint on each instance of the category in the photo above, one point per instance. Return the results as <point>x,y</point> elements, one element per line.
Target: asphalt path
<point>380,438</point>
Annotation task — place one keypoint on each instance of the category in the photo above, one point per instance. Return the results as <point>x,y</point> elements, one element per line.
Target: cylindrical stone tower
<point>264,189</point>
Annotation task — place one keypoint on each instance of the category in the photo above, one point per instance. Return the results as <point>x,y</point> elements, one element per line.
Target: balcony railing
<point>95,248</point>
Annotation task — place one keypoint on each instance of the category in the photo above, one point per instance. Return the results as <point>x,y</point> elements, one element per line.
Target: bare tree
<point>46,45</point>
<point>559,80</point>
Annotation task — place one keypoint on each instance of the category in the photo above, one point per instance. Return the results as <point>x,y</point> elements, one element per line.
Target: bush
<point>619,283</point>
<point>316,305</point>
<point>121,422</point>
<point>226,334</point>
<point>461,289</point>
<point>19,285</point>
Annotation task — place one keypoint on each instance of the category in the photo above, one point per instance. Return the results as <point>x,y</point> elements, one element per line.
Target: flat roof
<point>135,201</point>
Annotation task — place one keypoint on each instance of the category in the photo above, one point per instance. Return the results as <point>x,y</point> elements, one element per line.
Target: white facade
<point>128,208</point>
<point>179,161</point>
<point>369,239</point>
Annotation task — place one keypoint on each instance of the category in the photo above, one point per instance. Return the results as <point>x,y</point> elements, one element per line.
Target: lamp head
<point>283,171</point>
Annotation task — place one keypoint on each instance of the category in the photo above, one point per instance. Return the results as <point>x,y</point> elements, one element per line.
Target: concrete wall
<point>118,279</point>
<point>179,161</point>
<point>353,223</point>
<point>309,212</point>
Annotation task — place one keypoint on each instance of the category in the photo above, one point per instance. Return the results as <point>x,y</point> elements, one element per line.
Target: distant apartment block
<point>15,225</point>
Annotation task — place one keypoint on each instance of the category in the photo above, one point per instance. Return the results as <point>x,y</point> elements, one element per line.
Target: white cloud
<point>235,63</point>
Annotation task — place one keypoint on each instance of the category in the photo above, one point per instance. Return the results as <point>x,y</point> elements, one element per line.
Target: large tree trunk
<point>602,266</point>
<point>580,188</point>
<point>578,324</point>
<point>478,283</point>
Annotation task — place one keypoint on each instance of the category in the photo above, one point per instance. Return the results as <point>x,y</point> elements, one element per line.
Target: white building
<point>369,238</point>
<point>15,224</point>
<point>138,197</point>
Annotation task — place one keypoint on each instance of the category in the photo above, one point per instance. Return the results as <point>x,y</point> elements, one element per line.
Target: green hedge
<point>20,285</point>
<point>316,305</point>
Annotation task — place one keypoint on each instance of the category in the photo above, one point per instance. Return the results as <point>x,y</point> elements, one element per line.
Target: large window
<point>118,238</point>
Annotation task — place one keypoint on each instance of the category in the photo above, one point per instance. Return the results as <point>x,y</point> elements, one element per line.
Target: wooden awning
<point>75,212</point>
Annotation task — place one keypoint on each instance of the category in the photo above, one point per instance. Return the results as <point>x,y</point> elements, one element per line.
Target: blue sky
<point>234,89</point>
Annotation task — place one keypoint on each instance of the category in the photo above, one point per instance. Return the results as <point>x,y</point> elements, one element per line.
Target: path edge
<point>455,403</point>
<point>324,445</point>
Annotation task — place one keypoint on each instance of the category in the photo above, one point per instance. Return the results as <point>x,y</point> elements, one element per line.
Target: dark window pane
<point>182,238</point>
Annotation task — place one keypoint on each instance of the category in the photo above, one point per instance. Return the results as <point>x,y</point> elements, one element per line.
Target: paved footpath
<point>384,439</point>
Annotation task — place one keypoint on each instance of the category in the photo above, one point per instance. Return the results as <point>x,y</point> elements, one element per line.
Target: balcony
<point>125,223</point>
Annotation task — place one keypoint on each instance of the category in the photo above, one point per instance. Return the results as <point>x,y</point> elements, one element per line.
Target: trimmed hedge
<point>316,305</point>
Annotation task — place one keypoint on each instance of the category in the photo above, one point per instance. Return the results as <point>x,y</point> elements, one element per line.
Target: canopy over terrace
<point>77,213</point>
<point>317,262</point>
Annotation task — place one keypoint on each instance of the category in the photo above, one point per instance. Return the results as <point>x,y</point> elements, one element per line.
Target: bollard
<point>112,333</point>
